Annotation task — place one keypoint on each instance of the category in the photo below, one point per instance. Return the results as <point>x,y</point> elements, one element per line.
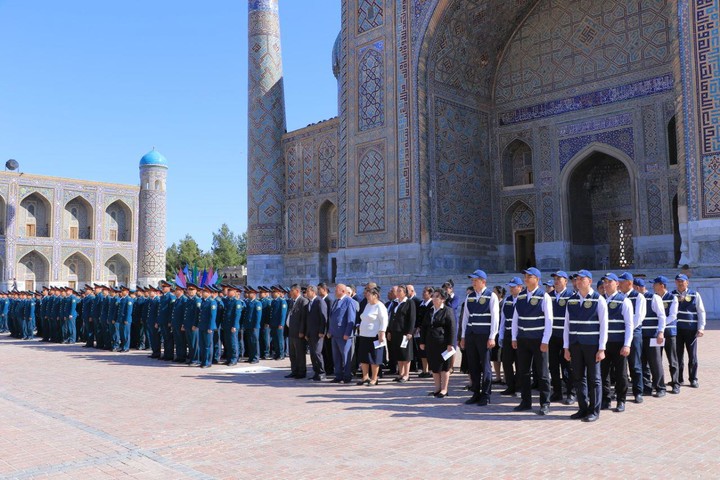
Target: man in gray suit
<point>296,333</point>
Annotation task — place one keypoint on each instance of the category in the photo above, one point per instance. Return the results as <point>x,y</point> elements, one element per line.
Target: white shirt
<point>494,315</point>
<point>627,312</point>
<point>640,308</point>
<point>374,319</point>
<point>700,307</point>
<point>501,328</point>
<point>656,305</point>
<point>602,317</point>
<point>547,310</point>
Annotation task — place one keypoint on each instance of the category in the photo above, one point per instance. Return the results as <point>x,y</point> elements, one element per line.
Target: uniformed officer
<point>191,318</point>
<point>207,325</point>
<point>277,322</point>
<point>217,334</point>
<point>670,304</point>
<point>87,303</point>
<point>165,320</point>
<point>231,325</point>
<point>125,318</point>
<point>4,307</point>
<point>178,329</point>
<point>264,338</point>
<point>620,334</point>
<point>70,316</point>
<point>531,332</point>
<point>152,323</point>
<point>639,304</point>
<point>653,327</point>
<point>560,371</point>
<point>29,316</point>
<point>140,313</point>
<point>252,325</point>
<point>480,323</point>
<point>508,355</point>
<point>585,338</point>
<point>690,327</point>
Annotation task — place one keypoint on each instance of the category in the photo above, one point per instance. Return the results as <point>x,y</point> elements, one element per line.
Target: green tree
<point>186,252</point>
<point>242,248</point>
<point>225,252</point>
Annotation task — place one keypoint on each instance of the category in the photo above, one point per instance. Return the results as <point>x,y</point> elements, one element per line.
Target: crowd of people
<point>570,341</point>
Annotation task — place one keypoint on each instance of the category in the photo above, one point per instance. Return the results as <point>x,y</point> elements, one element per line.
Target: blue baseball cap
<point>661,279</point>
<point>561,274</point>
<point>478,274</point>
<point>515,282</point>
<point>584,273</point>
<point>599,283</point>
<point>681,276</point>
<point>549,283</point>
<point>610,276</point>
<point>626,276</point>
<point>533,271</point>
<point>639,282</point>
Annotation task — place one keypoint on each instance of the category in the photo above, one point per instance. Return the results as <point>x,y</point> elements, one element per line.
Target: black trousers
<point>687,341</point>
<point>617,364</point>
<point>316,355</point>
<point>670,349</point>
<point>560,370</point>
<point>298,363</point>
<point>528,353</point>
<point>635,362</point>
<point>653,374</point>
<point>510,364</point>
<point>586,376</point>
<point>328,355</point>
<point>478,363</point>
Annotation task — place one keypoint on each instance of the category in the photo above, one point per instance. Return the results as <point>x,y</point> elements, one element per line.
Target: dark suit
<point>401,323</point>
<point>327,344</point>
<point>297,326</point>
<point>315,330</point>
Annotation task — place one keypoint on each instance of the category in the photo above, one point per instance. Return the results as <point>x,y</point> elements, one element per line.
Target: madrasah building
<point>492,134</point>
<point>63,232</point>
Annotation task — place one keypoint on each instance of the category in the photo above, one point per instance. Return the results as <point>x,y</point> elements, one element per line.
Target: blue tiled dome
<point>153,158</point>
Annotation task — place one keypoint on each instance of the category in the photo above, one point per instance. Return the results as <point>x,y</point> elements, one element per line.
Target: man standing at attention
<point>341,330</point>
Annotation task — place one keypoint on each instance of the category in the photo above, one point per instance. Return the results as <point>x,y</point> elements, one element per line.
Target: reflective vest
<point>531,319</point>
<point>559,304</point>
<point>687,310</point>
<point>584,323</point>
<point>616,320</point>
<point>478,307</point>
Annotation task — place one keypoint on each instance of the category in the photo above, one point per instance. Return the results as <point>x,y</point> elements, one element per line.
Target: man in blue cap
<point>620,334</point>
<point>585,338</point>
<point>625,285</point>
<point>167,301</point>
<point>480,321</point>
<point>124,319</point>
<point>653,327</point>
<point>231,325</point>
<point>507,353</point>
<point>206,326</point>
<point>531,332</point>
<point>191,319</point>
<point>251,325</point>
<point>690,327</point>
<point>670,304</point>
<point>178,330</point>
<point>560,372</point>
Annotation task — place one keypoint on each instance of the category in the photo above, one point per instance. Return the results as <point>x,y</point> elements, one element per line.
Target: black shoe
<point>579,415</point>
<point>336,380</point>
<point>318,378</point>
<point>675,389</point>
<point>214,362</point>
<point>605,405</point>
<point>620,407</point>
<point>232,364</point>
<point>639,399</point>
<point>647,391</point>
<point>204,366</point>
<point>694,384</point>
<point>474,399</point>
<point>441,395</point>
<point>115,350</point>
<point>432,394</point>
<point>363,382</point>
<point>292,375</point>
<point>523,407</point>
<point>570,399</point>
<point>534,386</point>
<point>484,401</point>
<point>253,362</point>
<point>508,391</point>
<point>544,410</point>
<point>556,397</point>
<point>402,380</point>
<point>660,393</point>
<point>300,377</point>
<point>590,418</point>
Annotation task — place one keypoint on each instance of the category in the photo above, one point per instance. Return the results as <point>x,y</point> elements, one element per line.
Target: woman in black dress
<point>400,332</point>
<point>438,337</point>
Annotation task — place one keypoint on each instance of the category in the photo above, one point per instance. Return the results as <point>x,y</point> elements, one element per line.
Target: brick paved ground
<point>66,412</point>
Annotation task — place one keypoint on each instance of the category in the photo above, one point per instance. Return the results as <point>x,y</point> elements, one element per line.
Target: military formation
<point>570,341</point>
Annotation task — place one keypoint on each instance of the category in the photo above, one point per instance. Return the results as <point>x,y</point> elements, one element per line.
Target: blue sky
<point>89,86</point>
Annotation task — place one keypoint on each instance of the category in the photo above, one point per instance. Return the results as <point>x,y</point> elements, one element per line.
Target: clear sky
<point>87,87</point>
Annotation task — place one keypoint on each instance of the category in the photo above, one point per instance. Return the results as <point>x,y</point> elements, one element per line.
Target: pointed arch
<point>118,222</point>
<point>78,217</point>
<point>33,271</point>
<point>3,215</point>
<point>117,270</point>
<point>520,232</point>
<point>77,269</point>
<point>517,164</point>
<point>35,216</point>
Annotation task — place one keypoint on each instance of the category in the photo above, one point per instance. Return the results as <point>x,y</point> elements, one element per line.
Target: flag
<point>203,280</point>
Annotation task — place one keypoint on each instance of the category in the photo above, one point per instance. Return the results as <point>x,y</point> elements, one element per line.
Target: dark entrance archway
<point>328,241</point>
<point>600,202</point>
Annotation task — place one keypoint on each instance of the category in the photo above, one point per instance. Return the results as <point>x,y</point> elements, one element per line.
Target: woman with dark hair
<point>400,332</point>
<point>437,338</point>
<point>422,312</point>
<point>495,352</point>
<point>373,324</point>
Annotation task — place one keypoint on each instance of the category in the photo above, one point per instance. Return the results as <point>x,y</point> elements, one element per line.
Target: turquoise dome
<point>153,158</point>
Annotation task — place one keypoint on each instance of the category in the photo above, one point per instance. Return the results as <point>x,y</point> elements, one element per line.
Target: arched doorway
<point>33,271</point>
<point>78,219</point>
<point>601,213</point>
<point>35,216</point>
<point>118,222</point>
<point>328,241</point>
<point>117,270</point>
<point>77,269</point>
<point>520,230</point>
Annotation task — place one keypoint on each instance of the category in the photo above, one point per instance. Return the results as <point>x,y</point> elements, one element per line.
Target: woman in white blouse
<point>373,323</point>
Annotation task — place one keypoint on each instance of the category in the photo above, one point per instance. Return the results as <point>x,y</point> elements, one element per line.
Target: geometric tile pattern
<point>711,185</point>
<point>153,218</point>
<point>371,83</point>
<point>371,191</point>
<point>655,216</point>
<point>327,152</point>
<point>621,139</point>
<point>309,224</point>
<point>294,233</point>
<point>293,172</point>
<point>548,221</point>
<point>405,221</point>
<point>308,169</point>
<point>343,112</point>
<point>461,172</point>
<point>370,15</point>
<point>590,42</point>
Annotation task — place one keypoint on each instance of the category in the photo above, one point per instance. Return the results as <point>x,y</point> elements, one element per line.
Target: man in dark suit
<point>296,333</point>
<point>315,329</point>
<point>341,330</point>
<point>323,292</point>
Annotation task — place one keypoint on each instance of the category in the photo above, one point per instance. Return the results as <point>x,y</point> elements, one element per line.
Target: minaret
<point>152,219</point>
<point>266,126</point>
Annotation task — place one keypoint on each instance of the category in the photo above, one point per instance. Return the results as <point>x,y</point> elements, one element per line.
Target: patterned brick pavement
<point>66,412</point>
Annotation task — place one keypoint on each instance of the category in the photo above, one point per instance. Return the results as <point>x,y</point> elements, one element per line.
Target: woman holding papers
<point>437,340</point>
<point>371,339</point>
